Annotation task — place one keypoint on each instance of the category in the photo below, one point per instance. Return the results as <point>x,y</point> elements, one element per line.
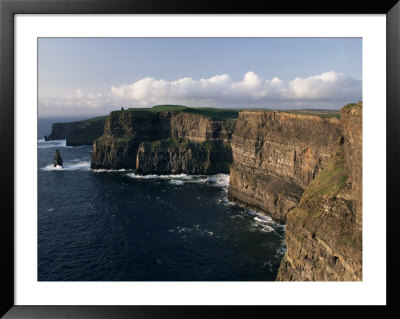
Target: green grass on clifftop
<point>213,113</point>
<point>96,119</point>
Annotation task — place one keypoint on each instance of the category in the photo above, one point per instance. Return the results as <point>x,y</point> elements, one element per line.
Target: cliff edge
<point>323,233</point>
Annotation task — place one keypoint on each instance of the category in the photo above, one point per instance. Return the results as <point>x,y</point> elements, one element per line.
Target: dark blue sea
<point>117,226</point>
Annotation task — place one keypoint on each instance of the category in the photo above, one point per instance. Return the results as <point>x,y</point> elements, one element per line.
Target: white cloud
<point>324,86</point>
<point>253,89</point>
<point>329,88</point>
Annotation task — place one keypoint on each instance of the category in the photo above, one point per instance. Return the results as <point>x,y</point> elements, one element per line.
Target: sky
<point>93,76</point>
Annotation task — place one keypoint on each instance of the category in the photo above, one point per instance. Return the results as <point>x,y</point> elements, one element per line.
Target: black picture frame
<point>8,8</point>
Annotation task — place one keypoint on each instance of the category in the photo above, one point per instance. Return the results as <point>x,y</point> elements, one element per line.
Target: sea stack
<point>57,159</point>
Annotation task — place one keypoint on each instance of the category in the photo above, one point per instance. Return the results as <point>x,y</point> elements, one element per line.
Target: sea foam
<point>52,144</point>
<point>73,165</point>
<point>220,180</point>
<point>103,170</point>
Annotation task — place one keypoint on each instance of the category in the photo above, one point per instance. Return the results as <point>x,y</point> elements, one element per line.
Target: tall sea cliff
<point>276,155</point>
<point>164,142</point>
<point>323,233</point>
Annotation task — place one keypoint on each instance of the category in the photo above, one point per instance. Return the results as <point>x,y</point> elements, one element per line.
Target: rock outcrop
<point>79,132</point>
<point>57,159</point>
<point>323,233</point>
<point>276,155</point>
<point>164,142</point>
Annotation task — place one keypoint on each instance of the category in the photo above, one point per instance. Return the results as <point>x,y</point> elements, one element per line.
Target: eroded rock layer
<point>276,155</point>
<point>323,233</point>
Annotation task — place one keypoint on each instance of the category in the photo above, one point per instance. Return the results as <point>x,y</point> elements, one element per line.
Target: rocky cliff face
<point>163,143</point>
<point>77,133</point>
<point>276,155</point>
<point>196,128</point>
<point>323,233</point>
<point>124,131</point>
<point>170,157</point>
<point>351,119</point>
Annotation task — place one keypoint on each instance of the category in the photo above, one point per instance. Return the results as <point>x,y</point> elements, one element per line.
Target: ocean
<point>102,225</point>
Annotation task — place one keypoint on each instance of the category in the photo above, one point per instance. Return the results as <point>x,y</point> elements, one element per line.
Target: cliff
<point>79,132</point>
<point>170,157</point>
<point>323,233</point>
<point>124,131</point>
<point>198,128</point>
<point>276,155</point>
<point>164,142</point>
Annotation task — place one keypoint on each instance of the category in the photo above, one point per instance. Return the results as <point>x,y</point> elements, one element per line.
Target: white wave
<point>239,216</point>
<point>178,176</point>
<point>261,222</point>
<point>50,167</point>
<point>68,166</point>
<point>52,144</point>
<point>227,202</point>
<point>193,229</point>
<point>102,170</point>
<point>266,229</point>
<point>77,165</point>
<point>255,227</point>
<point>133,175</point>
<point>176,182</point>
<point>184,230</point>
<point>184,178</point>
<point>219,180</point>
<point>177,179</point>
<point>281,251</point>
<point>252,212</point>
<point>263,219</point>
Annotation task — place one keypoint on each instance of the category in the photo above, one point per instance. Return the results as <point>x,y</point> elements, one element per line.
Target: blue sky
<point>92,76</point>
